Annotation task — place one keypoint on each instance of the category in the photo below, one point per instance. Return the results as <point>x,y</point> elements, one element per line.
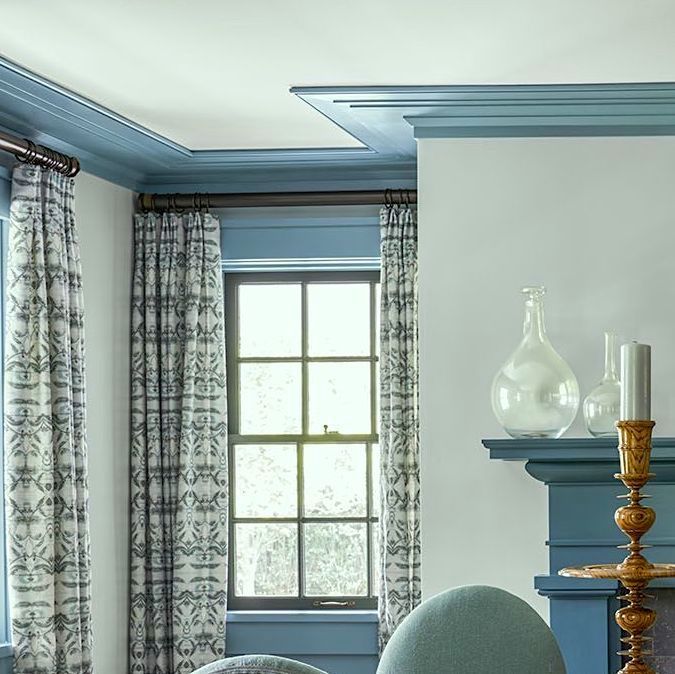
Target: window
<point>303,418</point>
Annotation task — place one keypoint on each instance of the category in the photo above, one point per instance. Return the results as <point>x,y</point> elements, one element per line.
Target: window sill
<point>302,616</point>
<point>6,651</point>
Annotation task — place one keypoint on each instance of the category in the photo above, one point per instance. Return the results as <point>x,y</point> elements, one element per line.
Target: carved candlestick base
<point>635,572</point>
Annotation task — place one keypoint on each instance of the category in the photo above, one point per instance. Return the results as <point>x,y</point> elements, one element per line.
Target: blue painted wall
<point>300,238</point>
<point>6,659</point>
<point>5,186</point>
<point>339,642</point>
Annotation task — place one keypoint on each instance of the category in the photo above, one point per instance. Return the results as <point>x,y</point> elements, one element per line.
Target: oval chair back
<point>472,630</point>
<point>257,664</point>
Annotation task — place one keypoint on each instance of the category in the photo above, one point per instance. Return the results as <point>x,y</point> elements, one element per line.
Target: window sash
<point>232,283</point>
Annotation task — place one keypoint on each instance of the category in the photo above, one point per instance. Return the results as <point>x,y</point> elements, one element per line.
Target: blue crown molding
<point>389,119</point>
<point>117,149</point>
<point>385,120</point>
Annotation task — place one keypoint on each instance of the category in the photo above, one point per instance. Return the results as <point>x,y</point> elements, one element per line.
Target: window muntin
<point>302,396</point>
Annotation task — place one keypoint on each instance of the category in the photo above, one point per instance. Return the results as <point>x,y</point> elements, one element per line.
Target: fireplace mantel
<point>582,491</point>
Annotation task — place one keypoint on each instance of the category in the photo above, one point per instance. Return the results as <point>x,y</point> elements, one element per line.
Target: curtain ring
<point>61,163</point>
<point>75,166</point>
<point>52,159</point>
<point>33,153</point>
<point>26,156</point>
<point>30,152</point>
<point>173,203</point>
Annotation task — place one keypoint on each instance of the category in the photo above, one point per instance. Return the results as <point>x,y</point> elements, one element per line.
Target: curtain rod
<point>199,201</point>
<point>28,152</point>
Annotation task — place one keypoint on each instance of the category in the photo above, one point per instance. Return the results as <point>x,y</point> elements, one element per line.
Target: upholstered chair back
<point>472,630</point>
<point>258,664</point>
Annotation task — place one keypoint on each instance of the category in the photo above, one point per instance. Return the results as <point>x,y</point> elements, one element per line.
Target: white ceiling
<point>215,74</point>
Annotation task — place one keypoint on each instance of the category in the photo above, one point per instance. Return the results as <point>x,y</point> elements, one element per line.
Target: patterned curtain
<point>45,447</point>
<point>179,491</point>
<point>400,587</point>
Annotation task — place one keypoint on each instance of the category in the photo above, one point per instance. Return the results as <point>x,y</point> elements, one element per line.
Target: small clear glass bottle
<point>535,394</point>
<point>601,406</point>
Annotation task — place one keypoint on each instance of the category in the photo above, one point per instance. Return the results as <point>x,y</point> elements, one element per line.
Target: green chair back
<point>473,630</point>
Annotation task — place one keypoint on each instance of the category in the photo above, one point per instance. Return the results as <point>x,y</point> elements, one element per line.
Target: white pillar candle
<point>636,382</point>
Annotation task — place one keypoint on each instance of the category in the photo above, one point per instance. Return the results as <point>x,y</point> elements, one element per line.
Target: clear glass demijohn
<point>601,406</point>
<point>535,394</point>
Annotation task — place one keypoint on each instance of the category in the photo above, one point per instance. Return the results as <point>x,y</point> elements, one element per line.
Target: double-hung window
<point>303,420</point>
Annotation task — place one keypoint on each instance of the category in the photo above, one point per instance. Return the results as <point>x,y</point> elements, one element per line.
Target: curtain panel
<point>400,585</point>
<point>46,488</point>
<point>179,474</point>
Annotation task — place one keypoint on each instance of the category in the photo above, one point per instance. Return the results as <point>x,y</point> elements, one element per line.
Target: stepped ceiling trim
<point>386,120</point>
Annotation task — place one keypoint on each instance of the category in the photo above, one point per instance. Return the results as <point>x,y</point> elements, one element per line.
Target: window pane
<point>338,319</point>
<point>339,397</point>
<point>270,399</point>
<point>336,560</point>
<point>265,479</point>
<point>376,309</point>
<point>375,571</point>
<point>375,480</point>
<point>335,480</point>
<point>267,560</point>
<point>376,430</point>
<point>269,320</point>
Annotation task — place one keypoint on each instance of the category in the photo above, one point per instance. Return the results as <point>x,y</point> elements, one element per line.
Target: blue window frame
<point>314,514</point>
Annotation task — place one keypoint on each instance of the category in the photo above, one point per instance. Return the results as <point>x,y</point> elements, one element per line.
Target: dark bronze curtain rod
<point>28,152</point>
<point>198,201</point>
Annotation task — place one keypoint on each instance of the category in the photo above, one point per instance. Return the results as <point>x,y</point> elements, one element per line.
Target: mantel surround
<point>582,493</point>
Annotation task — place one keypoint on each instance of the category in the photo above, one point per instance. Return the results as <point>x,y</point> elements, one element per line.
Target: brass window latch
<point>334,604</point>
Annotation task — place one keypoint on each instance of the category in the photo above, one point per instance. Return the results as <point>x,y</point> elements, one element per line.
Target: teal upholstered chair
<point>468,630</point>
<point>472,630</point>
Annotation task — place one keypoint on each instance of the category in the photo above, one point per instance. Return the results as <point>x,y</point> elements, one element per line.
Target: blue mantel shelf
<point>578,459</point>
<point>582,498</point>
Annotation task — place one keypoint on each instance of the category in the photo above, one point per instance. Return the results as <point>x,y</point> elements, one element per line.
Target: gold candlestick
<point>635,572</point>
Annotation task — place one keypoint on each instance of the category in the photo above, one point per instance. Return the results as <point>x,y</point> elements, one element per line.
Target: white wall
<point>594,221</point>
<point>104,213</point>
